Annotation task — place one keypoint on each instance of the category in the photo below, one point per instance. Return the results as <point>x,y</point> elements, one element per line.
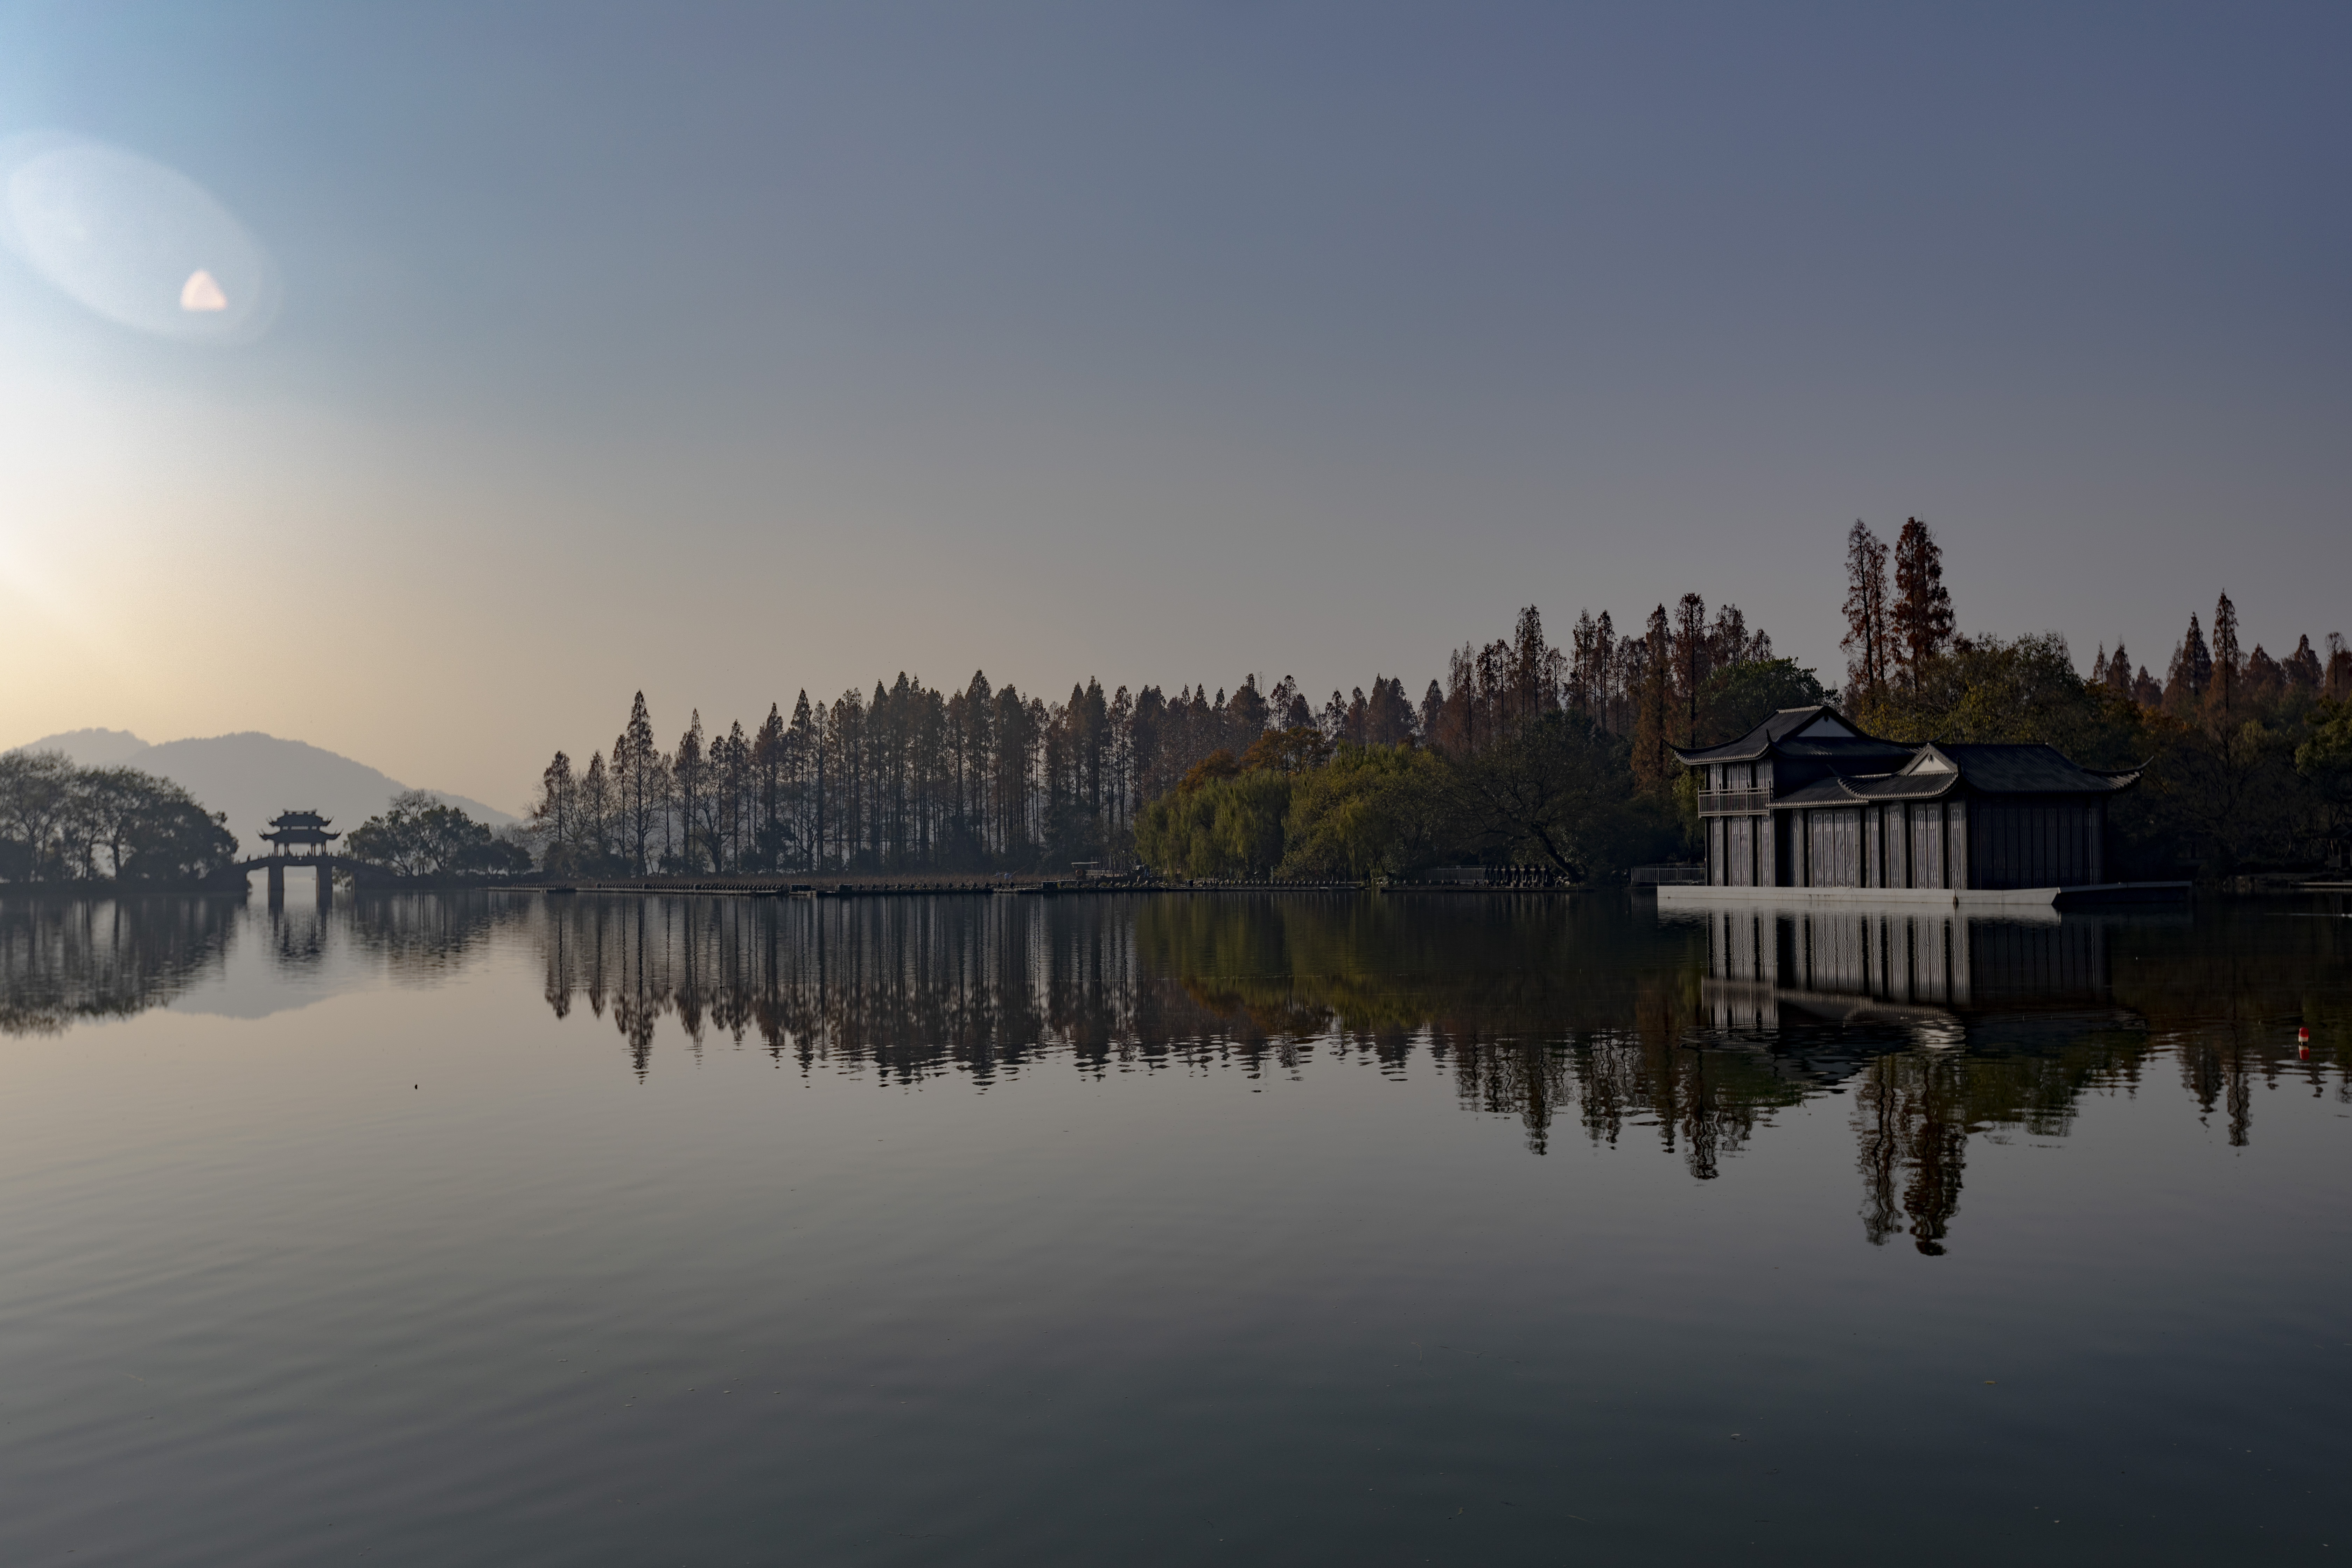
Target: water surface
<point>1456,1229</point>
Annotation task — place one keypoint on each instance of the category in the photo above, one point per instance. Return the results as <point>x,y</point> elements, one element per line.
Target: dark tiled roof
<point>2030,770</point>
<point>1774,733</point>
<point>1987,769</point>
<point>1877,787</point>
<point>1873,767</point>
<point>1859,750</point>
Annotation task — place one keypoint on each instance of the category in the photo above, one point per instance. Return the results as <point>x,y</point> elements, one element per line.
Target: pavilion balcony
<point>1734,802</point>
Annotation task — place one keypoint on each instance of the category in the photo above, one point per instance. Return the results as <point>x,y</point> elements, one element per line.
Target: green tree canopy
<point>420,835</point>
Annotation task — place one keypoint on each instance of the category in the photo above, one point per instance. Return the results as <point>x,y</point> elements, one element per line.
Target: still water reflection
<point>1693,1030</point>
<point>1314,1228</point>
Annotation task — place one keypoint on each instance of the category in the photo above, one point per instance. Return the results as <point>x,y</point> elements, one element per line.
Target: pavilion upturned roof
<point>1987,769</point>
<point>1819,731</point>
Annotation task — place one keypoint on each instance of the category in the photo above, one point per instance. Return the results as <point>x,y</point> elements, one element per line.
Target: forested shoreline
<point>1524,753</point>
<point>1528,753</point>
<point>912,778</point>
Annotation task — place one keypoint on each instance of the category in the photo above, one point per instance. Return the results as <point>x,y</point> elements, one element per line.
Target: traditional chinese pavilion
<point>1805,800</point>
<point>298,833</point>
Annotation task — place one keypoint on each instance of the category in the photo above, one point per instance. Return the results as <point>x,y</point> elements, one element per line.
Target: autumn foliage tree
<point>1923,606</point>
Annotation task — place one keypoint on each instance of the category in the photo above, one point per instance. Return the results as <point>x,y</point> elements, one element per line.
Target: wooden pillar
<point>326,883</point>
<point>276,884</point>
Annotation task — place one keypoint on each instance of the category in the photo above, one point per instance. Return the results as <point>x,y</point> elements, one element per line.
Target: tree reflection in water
<point>65,960</point>
<point>1577,1012</point>
<point>424,936</point>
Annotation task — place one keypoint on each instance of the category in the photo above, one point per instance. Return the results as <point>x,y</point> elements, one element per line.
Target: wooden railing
<point>1718,802</point>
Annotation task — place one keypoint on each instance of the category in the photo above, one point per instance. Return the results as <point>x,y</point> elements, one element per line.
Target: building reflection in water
<point>1942,1025</point>
<point>1558,1014</point>
<point>1938,1027</point>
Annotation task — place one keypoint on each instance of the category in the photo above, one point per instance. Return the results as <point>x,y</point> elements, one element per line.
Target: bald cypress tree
<point>769,761</point>
<point>1653,761</point>
<point>2304,673</point>
<point>1691,659</point>
<point>1923,606</point>
<point>690,778</point>
<point>2191,670</point>
<point>2226,665</point>
<point>1865,639</point>
<point>808,761</point>
<point>555,816</point>
<point>2119,671</point>
<point>642,779</point>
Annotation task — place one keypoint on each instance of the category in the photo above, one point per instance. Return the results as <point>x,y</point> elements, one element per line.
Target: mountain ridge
<point>250,776</point>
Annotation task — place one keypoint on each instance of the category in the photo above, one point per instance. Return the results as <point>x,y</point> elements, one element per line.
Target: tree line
<point>1523,752</point>
<point>61,823</point>
<point>909,777</point>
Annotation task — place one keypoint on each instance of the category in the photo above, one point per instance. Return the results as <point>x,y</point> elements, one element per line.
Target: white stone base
<point>1908,898</point>
<point>1986,899</point>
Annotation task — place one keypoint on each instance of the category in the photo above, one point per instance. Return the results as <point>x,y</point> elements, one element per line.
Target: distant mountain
<point>94,748</point>
<point>253,777</point>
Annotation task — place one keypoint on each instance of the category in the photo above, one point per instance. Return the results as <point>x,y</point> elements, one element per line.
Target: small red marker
<point>2303,1041</point>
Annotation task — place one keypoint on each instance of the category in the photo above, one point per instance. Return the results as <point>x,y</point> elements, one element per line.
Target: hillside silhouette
<point>251,777</point>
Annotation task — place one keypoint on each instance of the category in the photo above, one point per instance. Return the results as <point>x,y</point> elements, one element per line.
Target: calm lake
<point>1336,1228</point>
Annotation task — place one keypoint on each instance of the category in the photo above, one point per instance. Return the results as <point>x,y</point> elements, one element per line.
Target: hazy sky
<point>725,351</point>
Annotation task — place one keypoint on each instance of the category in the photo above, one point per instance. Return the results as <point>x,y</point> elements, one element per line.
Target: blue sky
<point>724,350</point>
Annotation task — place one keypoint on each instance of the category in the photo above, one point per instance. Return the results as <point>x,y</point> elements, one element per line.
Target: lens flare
<point>202,292</point>
<point>139,244</point>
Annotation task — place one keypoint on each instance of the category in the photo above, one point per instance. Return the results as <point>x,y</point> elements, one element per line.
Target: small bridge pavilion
<point>297,838</point>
